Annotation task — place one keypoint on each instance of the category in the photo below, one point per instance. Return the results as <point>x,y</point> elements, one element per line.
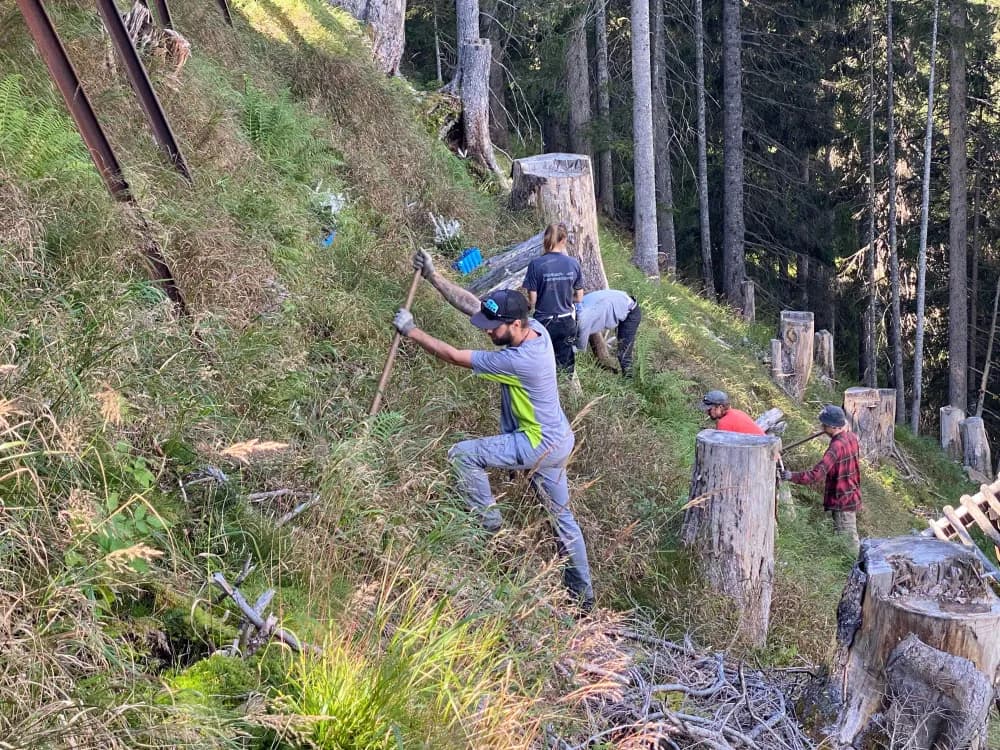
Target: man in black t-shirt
<point>554,283</point>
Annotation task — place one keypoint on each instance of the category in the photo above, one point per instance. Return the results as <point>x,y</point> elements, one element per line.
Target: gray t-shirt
<point>605,308</point>
<point>529,395</point>
<point>554,277</point>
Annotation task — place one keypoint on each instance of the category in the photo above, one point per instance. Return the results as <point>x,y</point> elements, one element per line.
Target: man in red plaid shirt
<point>840,464</point>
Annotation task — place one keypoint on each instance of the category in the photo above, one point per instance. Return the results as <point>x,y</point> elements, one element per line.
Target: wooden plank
<point>990,498</point>
<point>984,523</point>
<point>959,527</point>
<point>937,529</point>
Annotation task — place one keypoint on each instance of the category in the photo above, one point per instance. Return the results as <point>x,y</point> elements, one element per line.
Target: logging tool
<point>797,443</point>
<point>391,359</point>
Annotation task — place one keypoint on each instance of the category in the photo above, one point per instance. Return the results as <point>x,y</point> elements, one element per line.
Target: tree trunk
<point>896,324</point>
<point>476,58</point>
<point>802,278</point>
<point>917,588</point>
<point>729,524</point>
<point>795,332</point>
<point>606,191</point>
<point>578,85</point>
<point>385,19</point>
<point>823,355</point>
<point>868,360</point>
<point>499,121</point>
<point>885,438</point>
<point>951,432</point>
<point>506,270</point>
<point>645,255</point>
<point>989,352</point>
<point>925,202</point>
<point>976,446</point>
<point>862,407</point>
<point>561,188</point>
<point>467,30</point>
<point>661,134</point>
<point>958,376</point>
<point>733,260</point>
<point>749,301</point>
<point>707,267</point>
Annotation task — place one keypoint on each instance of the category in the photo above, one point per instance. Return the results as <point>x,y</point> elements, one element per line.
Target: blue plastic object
<point>328,240</point>
<point>468,261</point>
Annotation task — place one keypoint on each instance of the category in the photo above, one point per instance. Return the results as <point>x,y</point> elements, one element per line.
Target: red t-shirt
<point>735,420</point>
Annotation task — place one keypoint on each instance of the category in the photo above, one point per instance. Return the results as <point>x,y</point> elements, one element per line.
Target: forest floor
<point>114,414</point>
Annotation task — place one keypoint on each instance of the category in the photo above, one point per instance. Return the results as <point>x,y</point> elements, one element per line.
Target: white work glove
<point>785,475</point>
<point>422,262</point>
<point>404,321</point>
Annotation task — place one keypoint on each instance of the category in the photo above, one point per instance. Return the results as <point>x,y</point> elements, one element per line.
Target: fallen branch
<point>257,619</point>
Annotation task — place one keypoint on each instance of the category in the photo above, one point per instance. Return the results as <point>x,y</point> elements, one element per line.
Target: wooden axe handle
<point>391,359</point>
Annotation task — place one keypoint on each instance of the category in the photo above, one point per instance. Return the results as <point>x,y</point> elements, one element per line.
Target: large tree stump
<point>918,588</point>
<point>476,58</point>
<point>561,188</point>
<point>823,353</point>
<point>951,433</point>
<point>885,426</point>
<point>729,524</point>
<point>976,447</point>
<point>795,336</point>
<point>862,406</point>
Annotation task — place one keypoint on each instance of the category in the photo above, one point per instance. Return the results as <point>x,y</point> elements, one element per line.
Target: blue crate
<point>468,261</point>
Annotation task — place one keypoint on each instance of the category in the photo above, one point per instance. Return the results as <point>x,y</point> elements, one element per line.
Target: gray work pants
<point>513,451</point>
<point>845,523</point>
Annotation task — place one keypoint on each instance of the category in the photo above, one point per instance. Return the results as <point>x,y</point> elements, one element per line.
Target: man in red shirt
<point>841,466</point>
<point>716,405</point>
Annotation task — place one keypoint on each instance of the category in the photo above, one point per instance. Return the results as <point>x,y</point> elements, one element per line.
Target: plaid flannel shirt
<point>843,474</point>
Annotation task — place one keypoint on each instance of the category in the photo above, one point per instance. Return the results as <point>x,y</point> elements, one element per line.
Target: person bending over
<point>609,308</point>
<point>716,405</point>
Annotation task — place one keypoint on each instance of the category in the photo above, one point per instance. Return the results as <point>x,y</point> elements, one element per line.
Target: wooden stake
<point>391,359</point>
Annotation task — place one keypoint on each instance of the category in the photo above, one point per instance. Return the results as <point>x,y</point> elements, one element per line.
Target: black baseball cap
<point>501,306</point>
<point>714,398</point>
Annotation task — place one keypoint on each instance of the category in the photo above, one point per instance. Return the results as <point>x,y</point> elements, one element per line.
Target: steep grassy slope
<point>109,407</point>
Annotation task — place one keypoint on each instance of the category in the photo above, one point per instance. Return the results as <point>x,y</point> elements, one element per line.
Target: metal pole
<point>139,79</point>
<point>224,6</point>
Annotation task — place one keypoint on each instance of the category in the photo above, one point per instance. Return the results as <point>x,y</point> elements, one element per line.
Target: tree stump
<point>976,446</point>
<point>931,592</point>
<point>729,524</point>
<point>823,349</point>
<point>951,433</point>
<point>476,58</point>
<point>561,188</point>
<point>862,406</point>
<point>749,303</point>
<point>795,345</point>
<point>885,427</point>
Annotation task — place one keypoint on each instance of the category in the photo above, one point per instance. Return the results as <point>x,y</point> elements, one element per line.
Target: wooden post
<point>976,447</point>
<point>885,425</point>
<point>823,348</point>
<point>862,406</point>
<point>561,188</point>
<point>729,524</point>
<point>795,333</point>
<point>951,434</point>
<point>749,304</point>
<point>918,625</point>
<point>777,373</point>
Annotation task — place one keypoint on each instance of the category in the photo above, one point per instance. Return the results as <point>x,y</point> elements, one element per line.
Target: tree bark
<point>467,30</point>
<point>868,360</point>
<point>958,376</point>
<point>898,378</point>
<point>661,134</point>
<point>749,301</point>
<point>707,267</point>
<point>560,187</point>
<point>886,426</point>
<point>645,255</point>
<point>386,20</point>
<point>578,85</point>
<point>476,58</point>
<point>951,432</point>
<point>729,524</point>
<point>499,121</point>
<point>795,331</point>
<point>989,352</point>
<point>922,588</point>
<point>823,355</point>
<point>733,230</point>
<point>862,407</point>
<point>976,447</point>
<point>606,189</point>
<point>925,202</point>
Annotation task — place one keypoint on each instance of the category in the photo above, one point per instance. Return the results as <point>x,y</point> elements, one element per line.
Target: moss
<point>221,681</point>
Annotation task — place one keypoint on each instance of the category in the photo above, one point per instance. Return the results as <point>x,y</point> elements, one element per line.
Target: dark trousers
<point>626,339</point>
<point>562,331</point>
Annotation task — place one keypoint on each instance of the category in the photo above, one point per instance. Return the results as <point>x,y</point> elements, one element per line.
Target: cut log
<point>976,446</point>
<point>729,522</point>
<point>885,427</point>
<point>917,588</point>
<point>506,270</point>
<point>560,187</point>
<point>476,58</point>
<point>951,433</point>
<point>795,332</point>
<point>749,304</point>
<point>772,421</point>
<point>823,352</point>
<point>862,406</point>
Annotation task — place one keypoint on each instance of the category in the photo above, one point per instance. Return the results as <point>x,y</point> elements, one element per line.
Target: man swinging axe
<point>536,436</point>
<point>841,467</point>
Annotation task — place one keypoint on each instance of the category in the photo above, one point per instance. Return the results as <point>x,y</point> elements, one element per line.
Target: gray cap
<point>714,398</point>
<point>832,416</point>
